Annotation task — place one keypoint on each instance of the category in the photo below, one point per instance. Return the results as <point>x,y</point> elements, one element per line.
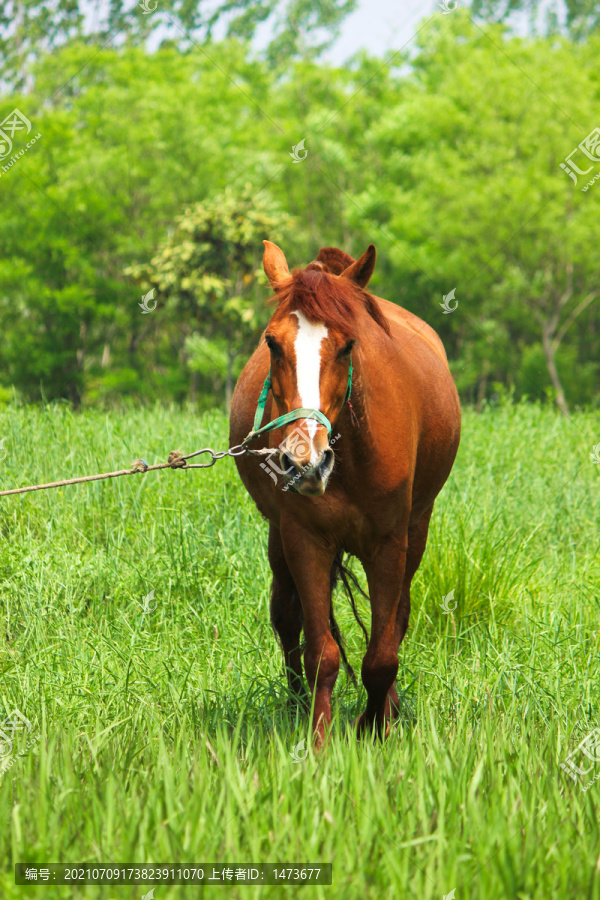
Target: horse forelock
<point>323,297</point>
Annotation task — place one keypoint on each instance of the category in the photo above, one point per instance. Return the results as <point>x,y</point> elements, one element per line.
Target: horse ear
<point>360,271</point>
<point>274,264</point>
<point>335,260</point>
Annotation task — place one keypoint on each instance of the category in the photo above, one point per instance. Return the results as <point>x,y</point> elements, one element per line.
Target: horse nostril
<point>288,464</point>
<point>326,463</point>
<point>318,472</point>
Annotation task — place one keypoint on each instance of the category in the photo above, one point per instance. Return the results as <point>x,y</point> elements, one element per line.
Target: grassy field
<point>162,736</point>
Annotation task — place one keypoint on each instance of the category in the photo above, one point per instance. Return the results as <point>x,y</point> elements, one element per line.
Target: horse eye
<point>347,350</point>
<point>272,344</point>
<point>276,351</point>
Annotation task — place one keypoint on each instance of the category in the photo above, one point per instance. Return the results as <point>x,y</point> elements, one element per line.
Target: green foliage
<point>477,201</point>
<point>29,28</point>
<point>100,193</point>
<point>209,272</point>
<point>578,18</point>
<point>449,164</point>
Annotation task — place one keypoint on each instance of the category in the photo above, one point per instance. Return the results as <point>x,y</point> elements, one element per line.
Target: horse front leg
<point>385,575</point>
<point>310,562</point>
<point>417,541</point>
<point>287,620</point>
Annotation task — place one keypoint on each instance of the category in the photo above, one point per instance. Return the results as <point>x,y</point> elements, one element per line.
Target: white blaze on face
<point>308,370</point>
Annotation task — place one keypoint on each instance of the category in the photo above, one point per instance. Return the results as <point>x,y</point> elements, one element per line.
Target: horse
<point>336,358</point>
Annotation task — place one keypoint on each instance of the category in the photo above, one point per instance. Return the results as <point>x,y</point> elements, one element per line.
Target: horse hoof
<point>360,725</point>
<point>365,728</point>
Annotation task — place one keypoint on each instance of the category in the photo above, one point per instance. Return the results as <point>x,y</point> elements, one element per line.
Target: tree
<point>578,18</point>
<point>480,203</point>
<point>450,165</point>
<point>209,274</point>
<point>133,139</point>
<point>30,28</point>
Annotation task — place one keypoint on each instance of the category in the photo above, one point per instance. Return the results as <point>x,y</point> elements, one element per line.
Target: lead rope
<point>176,461</point>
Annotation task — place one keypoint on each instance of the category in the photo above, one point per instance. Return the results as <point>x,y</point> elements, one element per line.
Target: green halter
<point>291,416</point>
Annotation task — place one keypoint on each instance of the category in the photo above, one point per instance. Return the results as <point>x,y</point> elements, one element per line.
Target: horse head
<point>310,338</point>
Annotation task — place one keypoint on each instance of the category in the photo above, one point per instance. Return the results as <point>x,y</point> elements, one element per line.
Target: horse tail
<point>337,636</point>
<point>338,569</point>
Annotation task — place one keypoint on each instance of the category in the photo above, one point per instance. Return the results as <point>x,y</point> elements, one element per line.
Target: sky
<point>383,27</point>
<point>380,26</point>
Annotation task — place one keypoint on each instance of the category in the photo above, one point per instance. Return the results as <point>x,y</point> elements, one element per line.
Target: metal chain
<point>236,450</point>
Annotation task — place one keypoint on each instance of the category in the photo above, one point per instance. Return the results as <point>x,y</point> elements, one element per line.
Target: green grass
<point>164,737</point>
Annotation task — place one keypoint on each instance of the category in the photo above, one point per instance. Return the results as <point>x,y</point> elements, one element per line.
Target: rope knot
<point>177,459</point>
<point>353,418</point>
<point>139,465</point>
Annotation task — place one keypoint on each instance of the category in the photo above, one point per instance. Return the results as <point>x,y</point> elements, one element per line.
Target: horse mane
<point>323,297</point>
<point>335,260</point>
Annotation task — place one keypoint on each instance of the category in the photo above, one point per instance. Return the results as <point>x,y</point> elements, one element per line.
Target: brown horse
<point>396,441</point>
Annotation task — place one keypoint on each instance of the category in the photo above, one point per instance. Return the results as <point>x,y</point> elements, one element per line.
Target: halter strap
<point>301,413</point>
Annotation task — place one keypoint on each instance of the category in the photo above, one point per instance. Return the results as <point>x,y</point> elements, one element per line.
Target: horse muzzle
<point>308,479</point>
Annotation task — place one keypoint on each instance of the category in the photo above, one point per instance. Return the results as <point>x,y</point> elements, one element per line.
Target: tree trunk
<point>550,354</point>
<point>193,391</point>
<point>482,389</point>
<point>229,380</point>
